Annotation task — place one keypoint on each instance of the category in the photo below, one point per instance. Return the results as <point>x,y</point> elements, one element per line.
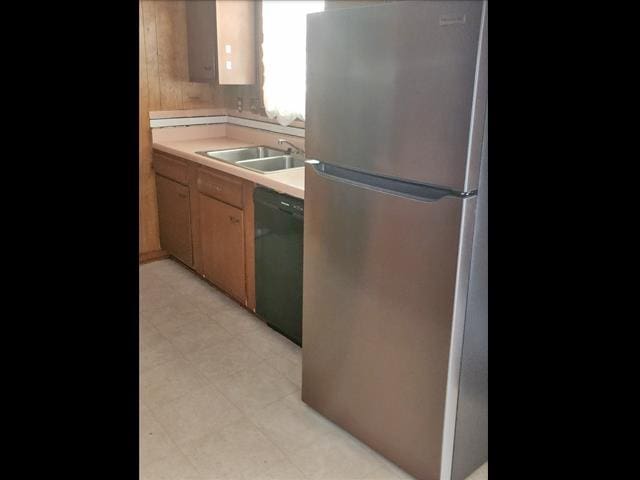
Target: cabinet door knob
<point>182,195</point>
<point>208,68</point>
<point>234,219</point>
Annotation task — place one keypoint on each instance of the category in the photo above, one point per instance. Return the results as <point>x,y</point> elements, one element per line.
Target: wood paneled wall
<point>164,85</point>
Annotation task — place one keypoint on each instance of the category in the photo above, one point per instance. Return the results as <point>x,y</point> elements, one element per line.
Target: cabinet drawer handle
<point>234,219</point>
<point>208,184</point>
<point>207,68</point>
<point>182,195</point>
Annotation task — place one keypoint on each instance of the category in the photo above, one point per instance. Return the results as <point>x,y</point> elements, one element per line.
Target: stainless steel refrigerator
<point>394,338</point>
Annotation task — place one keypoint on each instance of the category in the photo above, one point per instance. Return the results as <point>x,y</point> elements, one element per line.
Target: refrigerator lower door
<point>379,283</point>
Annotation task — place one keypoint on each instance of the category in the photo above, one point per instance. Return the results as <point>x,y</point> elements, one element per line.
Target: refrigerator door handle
<point>401,188</point>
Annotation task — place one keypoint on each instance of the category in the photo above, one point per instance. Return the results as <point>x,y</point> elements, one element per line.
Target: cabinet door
<point>202,39</point>
<point>174,219</point>
<point>222,243</point>
<point>236,42</point>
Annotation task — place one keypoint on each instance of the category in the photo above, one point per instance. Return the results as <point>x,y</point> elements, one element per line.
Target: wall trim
<point>271,127</point>
<point>186,121</point>
<point>214,119</point>
<point>146,257</point>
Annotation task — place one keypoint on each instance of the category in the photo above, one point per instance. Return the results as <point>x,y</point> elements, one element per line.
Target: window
<point>284,57</point>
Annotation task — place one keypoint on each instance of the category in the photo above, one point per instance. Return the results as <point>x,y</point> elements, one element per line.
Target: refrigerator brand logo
<point>452,19</point>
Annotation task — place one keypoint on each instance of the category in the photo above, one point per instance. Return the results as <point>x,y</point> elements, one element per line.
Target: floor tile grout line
<point>243,417</point>
<point>175,445</point>
<point>180,445</point>
<point>143,370</point>
<point>259,354</point>
<point>200,437</point>
<point>338,430</point>
<point>200,281</point>
<point>264,406</point>
<point>178,351</point>
<point>149,325</point>
<point>206,378</point>
<point>210,383</point>
<point>213,380</point>
<point>266,434</point>
<point>240,370</point>
<point>228,308</point>
<point>264,357</point>
<point>211,346</point>
<point>189,323</point>
<point>271,357</point>
<point>246,369</point>
<point>214,302</point>
<point>162,363</point>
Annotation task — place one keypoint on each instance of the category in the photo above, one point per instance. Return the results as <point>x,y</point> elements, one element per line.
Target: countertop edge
<point>267,180</point>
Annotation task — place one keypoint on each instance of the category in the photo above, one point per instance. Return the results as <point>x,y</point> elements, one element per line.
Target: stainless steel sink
<point>272,164</point>
<point>260,159</point>
<point>238,154</point>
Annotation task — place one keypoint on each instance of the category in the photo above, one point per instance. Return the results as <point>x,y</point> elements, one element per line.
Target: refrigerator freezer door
<point>379,279</point>
<point>390,89</point>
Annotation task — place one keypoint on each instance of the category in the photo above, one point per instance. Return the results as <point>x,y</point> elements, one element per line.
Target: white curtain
<point>284,57</point>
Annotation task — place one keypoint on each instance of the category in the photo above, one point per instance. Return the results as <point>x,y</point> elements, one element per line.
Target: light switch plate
<point>228,64</point>
<point>227,48</point>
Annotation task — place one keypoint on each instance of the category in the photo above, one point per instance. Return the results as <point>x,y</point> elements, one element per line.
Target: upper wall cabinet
<point>222,30</point>
<point>201,37</point>
<point>236,41</point>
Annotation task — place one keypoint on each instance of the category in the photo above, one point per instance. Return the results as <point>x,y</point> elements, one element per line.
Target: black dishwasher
<point>279,221</point>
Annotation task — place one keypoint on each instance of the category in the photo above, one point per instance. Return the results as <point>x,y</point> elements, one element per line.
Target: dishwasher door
<point>279,222</point>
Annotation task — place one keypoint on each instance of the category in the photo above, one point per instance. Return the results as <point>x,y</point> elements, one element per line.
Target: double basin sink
<point>259,159</point>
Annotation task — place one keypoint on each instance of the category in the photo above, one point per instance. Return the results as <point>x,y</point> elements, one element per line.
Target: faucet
<point>298,149</point>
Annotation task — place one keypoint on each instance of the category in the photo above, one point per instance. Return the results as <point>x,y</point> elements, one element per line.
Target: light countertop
<point>289,181</point>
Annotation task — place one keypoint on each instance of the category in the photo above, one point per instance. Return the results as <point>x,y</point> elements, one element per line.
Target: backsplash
<point>181,118</point>
<point>174,129</point>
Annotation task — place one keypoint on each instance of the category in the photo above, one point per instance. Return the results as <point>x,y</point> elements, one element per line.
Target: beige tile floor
<point>220,394</point>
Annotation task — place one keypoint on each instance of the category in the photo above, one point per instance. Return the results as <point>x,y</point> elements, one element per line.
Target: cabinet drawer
<point>220,186</point>
<point>171,168</point>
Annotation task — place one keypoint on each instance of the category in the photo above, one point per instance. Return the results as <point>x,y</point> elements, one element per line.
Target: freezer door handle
<point>402,188</point>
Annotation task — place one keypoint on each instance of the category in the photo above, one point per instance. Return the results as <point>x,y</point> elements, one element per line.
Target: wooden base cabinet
<point>174,217</point>
<point>222,245</point>
<point>206,222</point>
